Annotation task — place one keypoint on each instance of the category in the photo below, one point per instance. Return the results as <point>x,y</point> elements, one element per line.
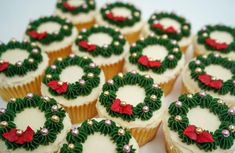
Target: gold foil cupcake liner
<point>169,147</point>
<point>21,90</point>
<point>133,37</point>
<point>86,25</point>
<point>167,87</point>
<point>184,89</point>
<point>53,55</point>
<point>184,48</point>
<point>81,113</point>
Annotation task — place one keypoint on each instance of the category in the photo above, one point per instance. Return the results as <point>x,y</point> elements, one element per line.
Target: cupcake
<point>170,25</point>
<point>75,82</point>
<point>105,46</point>
<point>135,102</point>
<point>123,16</point>
<point>212,73</point>
<point>80,12</point>
<point>99,136</point>
<point>215,38</point>
<point>158,57</point>
<point>22,65</point>
<point>32,124</point>
<point>53,35</point>
<point>199,123</point>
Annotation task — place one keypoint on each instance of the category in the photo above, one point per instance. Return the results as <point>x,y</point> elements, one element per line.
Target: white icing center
<point>100,39</point>
<point>121,11</point>
<point>156,52</point>
<point>219,72</point>
<point>32,117</point>
<point>222,36</point>
<point>103,144</point>
<point>203,118</point>
<point>14,55</point>
<point>75,3</point>
<point>76,71</point>
<point>49,27</point>
<point>135,94</point>
<point>167,22</point>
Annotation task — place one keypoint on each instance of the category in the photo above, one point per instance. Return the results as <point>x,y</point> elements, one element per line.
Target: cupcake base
<point>81,113</point>
<point>53,55</point>
<point>169,148</point>
<point>133,37</point>
<point>86,25</point>
<point>113,69</point>
<point>167,87</point>
<point>20,91</point>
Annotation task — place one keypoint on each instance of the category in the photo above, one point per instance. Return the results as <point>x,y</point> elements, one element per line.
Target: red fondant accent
<point>4,66</point>
<point>68,7</point>
<point>85,45</point>
<point>54,85</point>
<point>118,108</point>
<point>143,60</point>
<point>206,79</point>
<point>218,46</point>
<point>110,16</point>
<point>166,30</point>
<point>36,35</point>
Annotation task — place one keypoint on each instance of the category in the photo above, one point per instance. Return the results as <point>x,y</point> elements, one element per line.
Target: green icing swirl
<point>174,109</point>
<point>77,149</point>
<point>178,125</point>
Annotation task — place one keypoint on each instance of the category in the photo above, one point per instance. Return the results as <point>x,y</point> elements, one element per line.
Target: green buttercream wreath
<point>47,134</point>
<point>20,68</point>
<point>77,136</point>
<point>178,121</point>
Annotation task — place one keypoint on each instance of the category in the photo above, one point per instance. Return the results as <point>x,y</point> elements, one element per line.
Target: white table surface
<point>15,15</point>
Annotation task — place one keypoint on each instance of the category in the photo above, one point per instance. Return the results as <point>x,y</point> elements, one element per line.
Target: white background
<point>15,15</point>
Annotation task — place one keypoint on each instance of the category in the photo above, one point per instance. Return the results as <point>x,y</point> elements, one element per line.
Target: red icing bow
<point>26,136</point>
<point>166,30</point>
<point>110,16</point>
<point>207,80</point>
<point>122,109</point>
<point>203,137</point>
<point>218,46</point>
<point>68,7</point>
<point>85,45</point>
<point>58,87</point>
<point>4,66</point>
<point>36,35</point>
<point>143,60</point>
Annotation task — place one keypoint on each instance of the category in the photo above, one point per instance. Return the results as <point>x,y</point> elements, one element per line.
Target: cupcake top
<point>73,81</point>
<point>51,33</point>
<point>100,136</point>
<point>124,16</point>
<point>200,123</point>
<point>20,63</point>
<point>78,11</point>
<point>216,38</point>
<point>120,103</point>
<point>212,73</point>
<point>103,44</point>
<point>159,57</point>
<point>170,24</point>
<point>20,132</point>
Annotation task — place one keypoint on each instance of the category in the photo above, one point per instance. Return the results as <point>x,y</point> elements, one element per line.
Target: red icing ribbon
<point>218,46</point>
<point>204,137</point>
<point>85,45</point>
<point>143,60</point>
<point>68,7</point>
<point>59,88</point>
<point>36,35</point>
<point>118,108</point>
<point>166,30</point>
<point>25,137</point>
<point>4,66</point>
<point>110,16</point>
<point>207,80</point>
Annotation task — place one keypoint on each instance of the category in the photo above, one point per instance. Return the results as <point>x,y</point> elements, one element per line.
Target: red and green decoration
<point>66,7</point>
<point>118,108</point>
<point>120,21</point>
<point>116,47</point>
<point>203,38</point>
<point>79,135</point>
<point>82,87</point>
<point>157,28</point>
<point>44,37</point>
<point>210,83</point>
<point>28,138</point>
<point>145,63</point>
<point>20,68</point>
<point>178,121</point>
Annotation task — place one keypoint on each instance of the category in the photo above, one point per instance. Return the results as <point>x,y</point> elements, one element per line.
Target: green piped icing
<point>178,125</point>
<point>174,109</point>
<point>108,96</point>
<point>74,89</point>
<point>106,127</point>
<point>224,142</point>
<point>208,146</point>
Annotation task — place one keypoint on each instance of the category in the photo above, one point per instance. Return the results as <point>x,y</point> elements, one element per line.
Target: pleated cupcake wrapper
<point>144,135</point>
<point>170,148</point>
<point>184,89</point>
<point>53,55</point>
<point>167,87</point>
<point>184,49</point>
<point>113,69</point>
<point>81,113</point>
<point>86,25</point>
<point>20,91</point>
<point>133,37</point>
